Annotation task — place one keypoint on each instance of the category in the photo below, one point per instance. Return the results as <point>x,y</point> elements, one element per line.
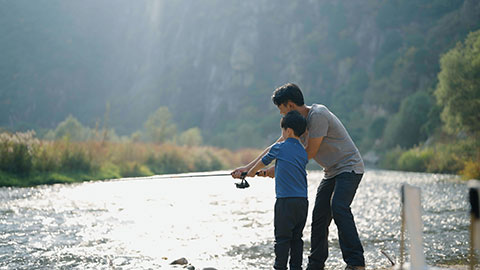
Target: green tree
<point>191,137</point>
<point>458,89</point>
<point>159,128</point>
<point>72,129</point>
<point>406,127</point>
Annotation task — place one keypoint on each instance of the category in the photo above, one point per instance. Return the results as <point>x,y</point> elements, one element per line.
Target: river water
<point>147,223</point>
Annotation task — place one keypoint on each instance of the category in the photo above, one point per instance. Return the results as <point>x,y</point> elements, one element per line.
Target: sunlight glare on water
<point>147,223</point>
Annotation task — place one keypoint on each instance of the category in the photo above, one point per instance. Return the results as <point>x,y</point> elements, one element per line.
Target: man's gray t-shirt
<point>337,152</point>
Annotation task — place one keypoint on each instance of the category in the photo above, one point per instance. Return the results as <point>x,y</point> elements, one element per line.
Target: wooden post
<point>473,196</point>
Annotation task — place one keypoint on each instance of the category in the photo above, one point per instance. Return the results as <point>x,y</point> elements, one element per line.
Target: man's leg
<point>345,189</point>
<point>322,216</point>
<point>296,245</point>
<point>283,234</point>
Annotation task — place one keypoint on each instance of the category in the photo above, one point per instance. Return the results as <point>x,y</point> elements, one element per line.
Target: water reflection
<point>145,224</point>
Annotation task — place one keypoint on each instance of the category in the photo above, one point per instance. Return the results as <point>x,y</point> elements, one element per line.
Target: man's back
<point>337,153</point>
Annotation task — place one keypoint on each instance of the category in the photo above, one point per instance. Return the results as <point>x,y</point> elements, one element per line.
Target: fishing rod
<point>241,185</point>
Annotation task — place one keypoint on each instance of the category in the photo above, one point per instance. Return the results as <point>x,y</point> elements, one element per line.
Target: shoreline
<point>51,178</point>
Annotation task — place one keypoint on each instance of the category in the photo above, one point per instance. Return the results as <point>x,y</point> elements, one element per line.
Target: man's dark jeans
<point>333,200</point>
<point>289,221</point>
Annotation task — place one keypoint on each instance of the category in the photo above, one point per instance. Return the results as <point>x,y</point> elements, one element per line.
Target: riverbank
<point>460,157</point>
<point>12,180</point>
<point>28,161</point>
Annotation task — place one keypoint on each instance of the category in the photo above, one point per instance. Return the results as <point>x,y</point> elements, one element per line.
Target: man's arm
<point>238,171</point>
<point>255,168</point>
<point>313,146</point>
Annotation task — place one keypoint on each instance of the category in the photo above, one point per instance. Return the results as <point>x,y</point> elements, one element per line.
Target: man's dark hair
<point>288,92</point>
<point>295,121</point>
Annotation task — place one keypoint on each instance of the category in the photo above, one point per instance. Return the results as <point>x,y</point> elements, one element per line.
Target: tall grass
<point>25,160</point>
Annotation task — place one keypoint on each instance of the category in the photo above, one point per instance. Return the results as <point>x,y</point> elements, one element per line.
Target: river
<point>146,223</point>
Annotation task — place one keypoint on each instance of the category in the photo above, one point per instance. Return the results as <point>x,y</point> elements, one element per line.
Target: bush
<point>207,161</point>
<point>461,157</point>
<point>445,160</point>
<point>46,160</point>
<point>75,159</point>
<point>415,160</point>
<point>169,160</point>
<point>471,169</point>
<point>134,169</point>
<point>17,151</point>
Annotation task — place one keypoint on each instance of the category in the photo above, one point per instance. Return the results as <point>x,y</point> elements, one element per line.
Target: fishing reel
<point>243,183</point>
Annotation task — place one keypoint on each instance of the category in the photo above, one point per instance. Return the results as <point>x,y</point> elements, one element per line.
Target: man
<point>329,144</point>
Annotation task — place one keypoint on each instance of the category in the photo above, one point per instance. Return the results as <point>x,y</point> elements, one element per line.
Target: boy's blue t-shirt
<point>290,172</point>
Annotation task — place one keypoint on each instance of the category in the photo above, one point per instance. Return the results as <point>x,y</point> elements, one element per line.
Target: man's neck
<point>303,110</point>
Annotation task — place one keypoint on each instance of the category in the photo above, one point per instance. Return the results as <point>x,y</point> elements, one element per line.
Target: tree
<point>191,137</point>
<point>159,128</point>
<point>458,89</point>
<point>72,129</point>
<point>405,128</point>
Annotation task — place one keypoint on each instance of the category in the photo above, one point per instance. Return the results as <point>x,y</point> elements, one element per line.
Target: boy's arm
<point>237,173</point>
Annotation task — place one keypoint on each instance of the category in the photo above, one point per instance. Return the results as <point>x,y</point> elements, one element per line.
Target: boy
<point>291,206</point>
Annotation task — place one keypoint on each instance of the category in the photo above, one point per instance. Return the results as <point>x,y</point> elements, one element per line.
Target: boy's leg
<point>296,245</point>
<point>322,216</point>
<point>283,233</point>
<point>345,189</point>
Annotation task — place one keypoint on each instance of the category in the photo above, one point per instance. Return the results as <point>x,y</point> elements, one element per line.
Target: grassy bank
<point>459,157</point>
<point>27,161</point>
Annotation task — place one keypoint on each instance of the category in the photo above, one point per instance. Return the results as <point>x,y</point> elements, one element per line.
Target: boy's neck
<point>293,137</point>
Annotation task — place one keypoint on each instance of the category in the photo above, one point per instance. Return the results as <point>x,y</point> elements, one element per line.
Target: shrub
<point>134,169</point>
<point>415,160</point>
<point>471,169</point>
<point>445,160</point>
<point>46,159</point>
<point>17,151</point>
<point>75,159</point>
<point>168,160</point>
<point>206,160</point>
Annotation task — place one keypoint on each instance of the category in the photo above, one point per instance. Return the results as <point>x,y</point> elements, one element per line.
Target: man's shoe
<point>351,267</point>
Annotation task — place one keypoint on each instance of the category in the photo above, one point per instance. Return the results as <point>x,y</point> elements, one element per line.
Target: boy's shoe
<point>351,267</point>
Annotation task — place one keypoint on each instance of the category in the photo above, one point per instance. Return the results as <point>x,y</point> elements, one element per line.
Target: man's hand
<point>270,172</point>
<point>251,173</point>
<point>237,173</point>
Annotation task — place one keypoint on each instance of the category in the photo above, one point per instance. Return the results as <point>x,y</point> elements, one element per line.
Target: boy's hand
<point>237,173</point>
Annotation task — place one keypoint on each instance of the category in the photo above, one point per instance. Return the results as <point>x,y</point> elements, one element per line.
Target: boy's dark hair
<point>288,92</point>
<point>295,121</point>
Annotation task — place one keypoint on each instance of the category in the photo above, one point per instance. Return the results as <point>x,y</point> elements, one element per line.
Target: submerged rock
<point>181,261</point>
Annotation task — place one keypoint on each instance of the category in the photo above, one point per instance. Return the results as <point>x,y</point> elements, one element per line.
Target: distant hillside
<point>215,63</point>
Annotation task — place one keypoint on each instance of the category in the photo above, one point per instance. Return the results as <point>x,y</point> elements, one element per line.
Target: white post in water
<point>474,192</point>
<point>412,210</point>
